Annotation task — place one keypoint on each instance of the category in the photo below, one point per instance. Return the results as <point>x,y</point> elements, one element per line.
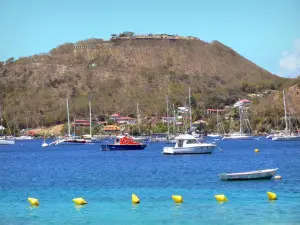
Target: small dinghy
<point>252,175</point>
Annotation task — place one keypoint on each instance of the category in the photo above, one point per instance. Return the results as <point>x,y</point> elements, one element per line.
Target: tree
<point>110,122</point>
<point>63,49</point>
<point>10,60</point>
<point>127,34</point>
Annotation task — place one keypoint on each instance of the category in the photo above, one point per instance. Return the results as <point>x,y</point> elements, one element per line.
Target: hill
<point>123,71</point>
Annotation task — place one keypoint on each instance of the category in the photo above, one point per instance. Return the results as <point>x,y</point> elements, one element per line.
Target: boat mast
<point>241,121</point>
<point>190,107</point>
<point>168,114</point>
<point>174,120</point>
<point>138,117</point>
<point>68,114</point>
<point>217,121</point>
<point>2,128</point>
<point>74,126</point>
<point>285,117</point>
<point>90,107</point>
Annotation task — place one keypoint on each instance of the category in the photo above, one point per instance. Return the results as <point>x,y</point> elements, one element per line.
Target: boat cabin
<point>185,139</point>
<point>126,141</point>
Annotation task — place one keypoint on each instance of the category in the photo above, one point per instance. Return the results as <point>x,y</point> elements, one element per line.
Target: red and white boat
<point>122,144</point>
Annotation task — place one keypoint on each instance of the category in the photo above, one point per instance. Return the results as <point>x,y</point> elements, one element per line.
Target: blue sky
<point>265,31</point>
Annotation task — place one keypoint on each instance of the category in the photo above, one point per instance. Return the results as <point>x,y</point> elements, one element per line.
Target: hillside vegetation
<point>119,73</point>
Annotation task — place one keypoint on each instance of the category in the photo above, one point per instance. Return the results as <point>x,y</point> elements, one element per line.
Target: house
<point>111,128</point>
<point>101,122</point>
<point>81,123</point>
<point>126,120</point>
<point>212,111</point>
<point>242,103</point>
<point>183,109</point>
<point>114,117</point>
<point>167,119</point>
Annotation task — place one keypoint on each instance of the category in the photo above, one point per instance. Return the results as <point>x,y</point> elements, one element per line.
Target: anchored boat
<point>252,175</point>
<point>124,143</point>
<point>7,142</point>
<point>187,144</point>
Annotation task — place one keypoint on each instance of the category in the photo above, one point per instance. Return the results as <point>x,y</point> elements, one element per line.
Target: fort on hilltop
<point>151,36</point>
<point>132,36</point>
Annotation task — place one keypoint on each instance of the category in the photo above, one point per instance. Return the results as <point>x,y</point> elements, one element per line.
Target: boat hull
<point>286,138</point>
<point>214,135</point>
<point>238,138</point>
<point>188,150</point>
<point>7,142</point>
<point>253,175</point>
<point>122,147</point>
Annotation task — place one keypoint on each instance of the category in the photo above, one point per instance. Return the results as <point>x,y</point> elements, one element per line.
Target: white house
<point>168,119</point>
<point>126,120</point>
<point>183,109</point>
<point>114,116</point>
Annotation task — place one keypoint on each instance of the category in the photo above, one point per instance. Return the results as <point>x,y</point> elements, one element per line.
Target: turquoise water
<point>106,180</point>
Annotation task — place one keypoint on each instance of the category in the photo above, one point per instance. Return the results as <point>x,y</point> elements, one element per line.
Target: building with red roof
<point>114,116</point>
<point>126,120</point>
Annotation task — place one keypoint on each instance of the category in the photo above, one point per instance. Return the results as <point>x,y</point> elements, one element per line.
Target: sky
<point>267,32</point>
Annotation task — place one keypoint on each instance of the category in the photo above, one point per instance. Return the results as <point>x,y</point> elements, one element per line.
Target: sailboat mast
<point>174,120</point>
<point>90,107</point>
<point>168,114</point>
<point>241,119</point>
<point>138,117</point>
<point>74,126</point>
<point>285,117</point>
<point>217,121</point>
<point>68,114</point>
<point>190,107</point>
<point>2,128</point>
<point>26,124</point>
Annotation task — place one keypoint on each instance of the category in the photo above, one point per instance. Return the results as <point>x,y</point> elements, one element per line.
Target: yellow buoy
<point>271,195</point>
<point>79,201</point>
<point>33,201</point>
<point>277,177</point>
<point>135,199</point>
<point>177,198</point>
<point>221,198</point>
<point>256,150</point>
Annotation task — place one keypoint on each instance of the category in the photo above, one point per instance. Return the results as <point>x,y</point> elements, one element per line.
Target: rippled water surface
<point>106,180</point>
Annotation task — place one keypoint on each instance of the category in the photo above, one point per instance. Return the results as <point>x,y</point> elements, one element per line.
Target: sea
<point>106,180</point>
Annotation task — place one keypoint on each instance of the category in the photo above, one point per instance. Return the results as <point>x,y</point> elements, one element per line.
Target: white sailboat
<point>287,134</point>
<point>68,139</point>
<point>219,127</point>
<point>244,122</point>
<point>3,139</point>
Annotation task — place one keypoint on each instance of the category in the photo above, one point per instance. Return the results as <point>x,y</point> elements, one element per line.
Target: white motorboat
<point>187,144</point>
<point>6,142</point>
<point>238,136</point>
<point>252,175</point>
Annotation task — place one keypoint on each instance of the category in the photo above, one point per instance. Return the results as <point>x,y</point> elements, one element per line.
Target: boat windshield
<point>192,141</point>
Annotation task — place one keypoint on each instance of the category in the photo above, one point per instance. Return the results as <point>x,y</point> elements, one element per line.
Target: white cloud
<point>290,61</point>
